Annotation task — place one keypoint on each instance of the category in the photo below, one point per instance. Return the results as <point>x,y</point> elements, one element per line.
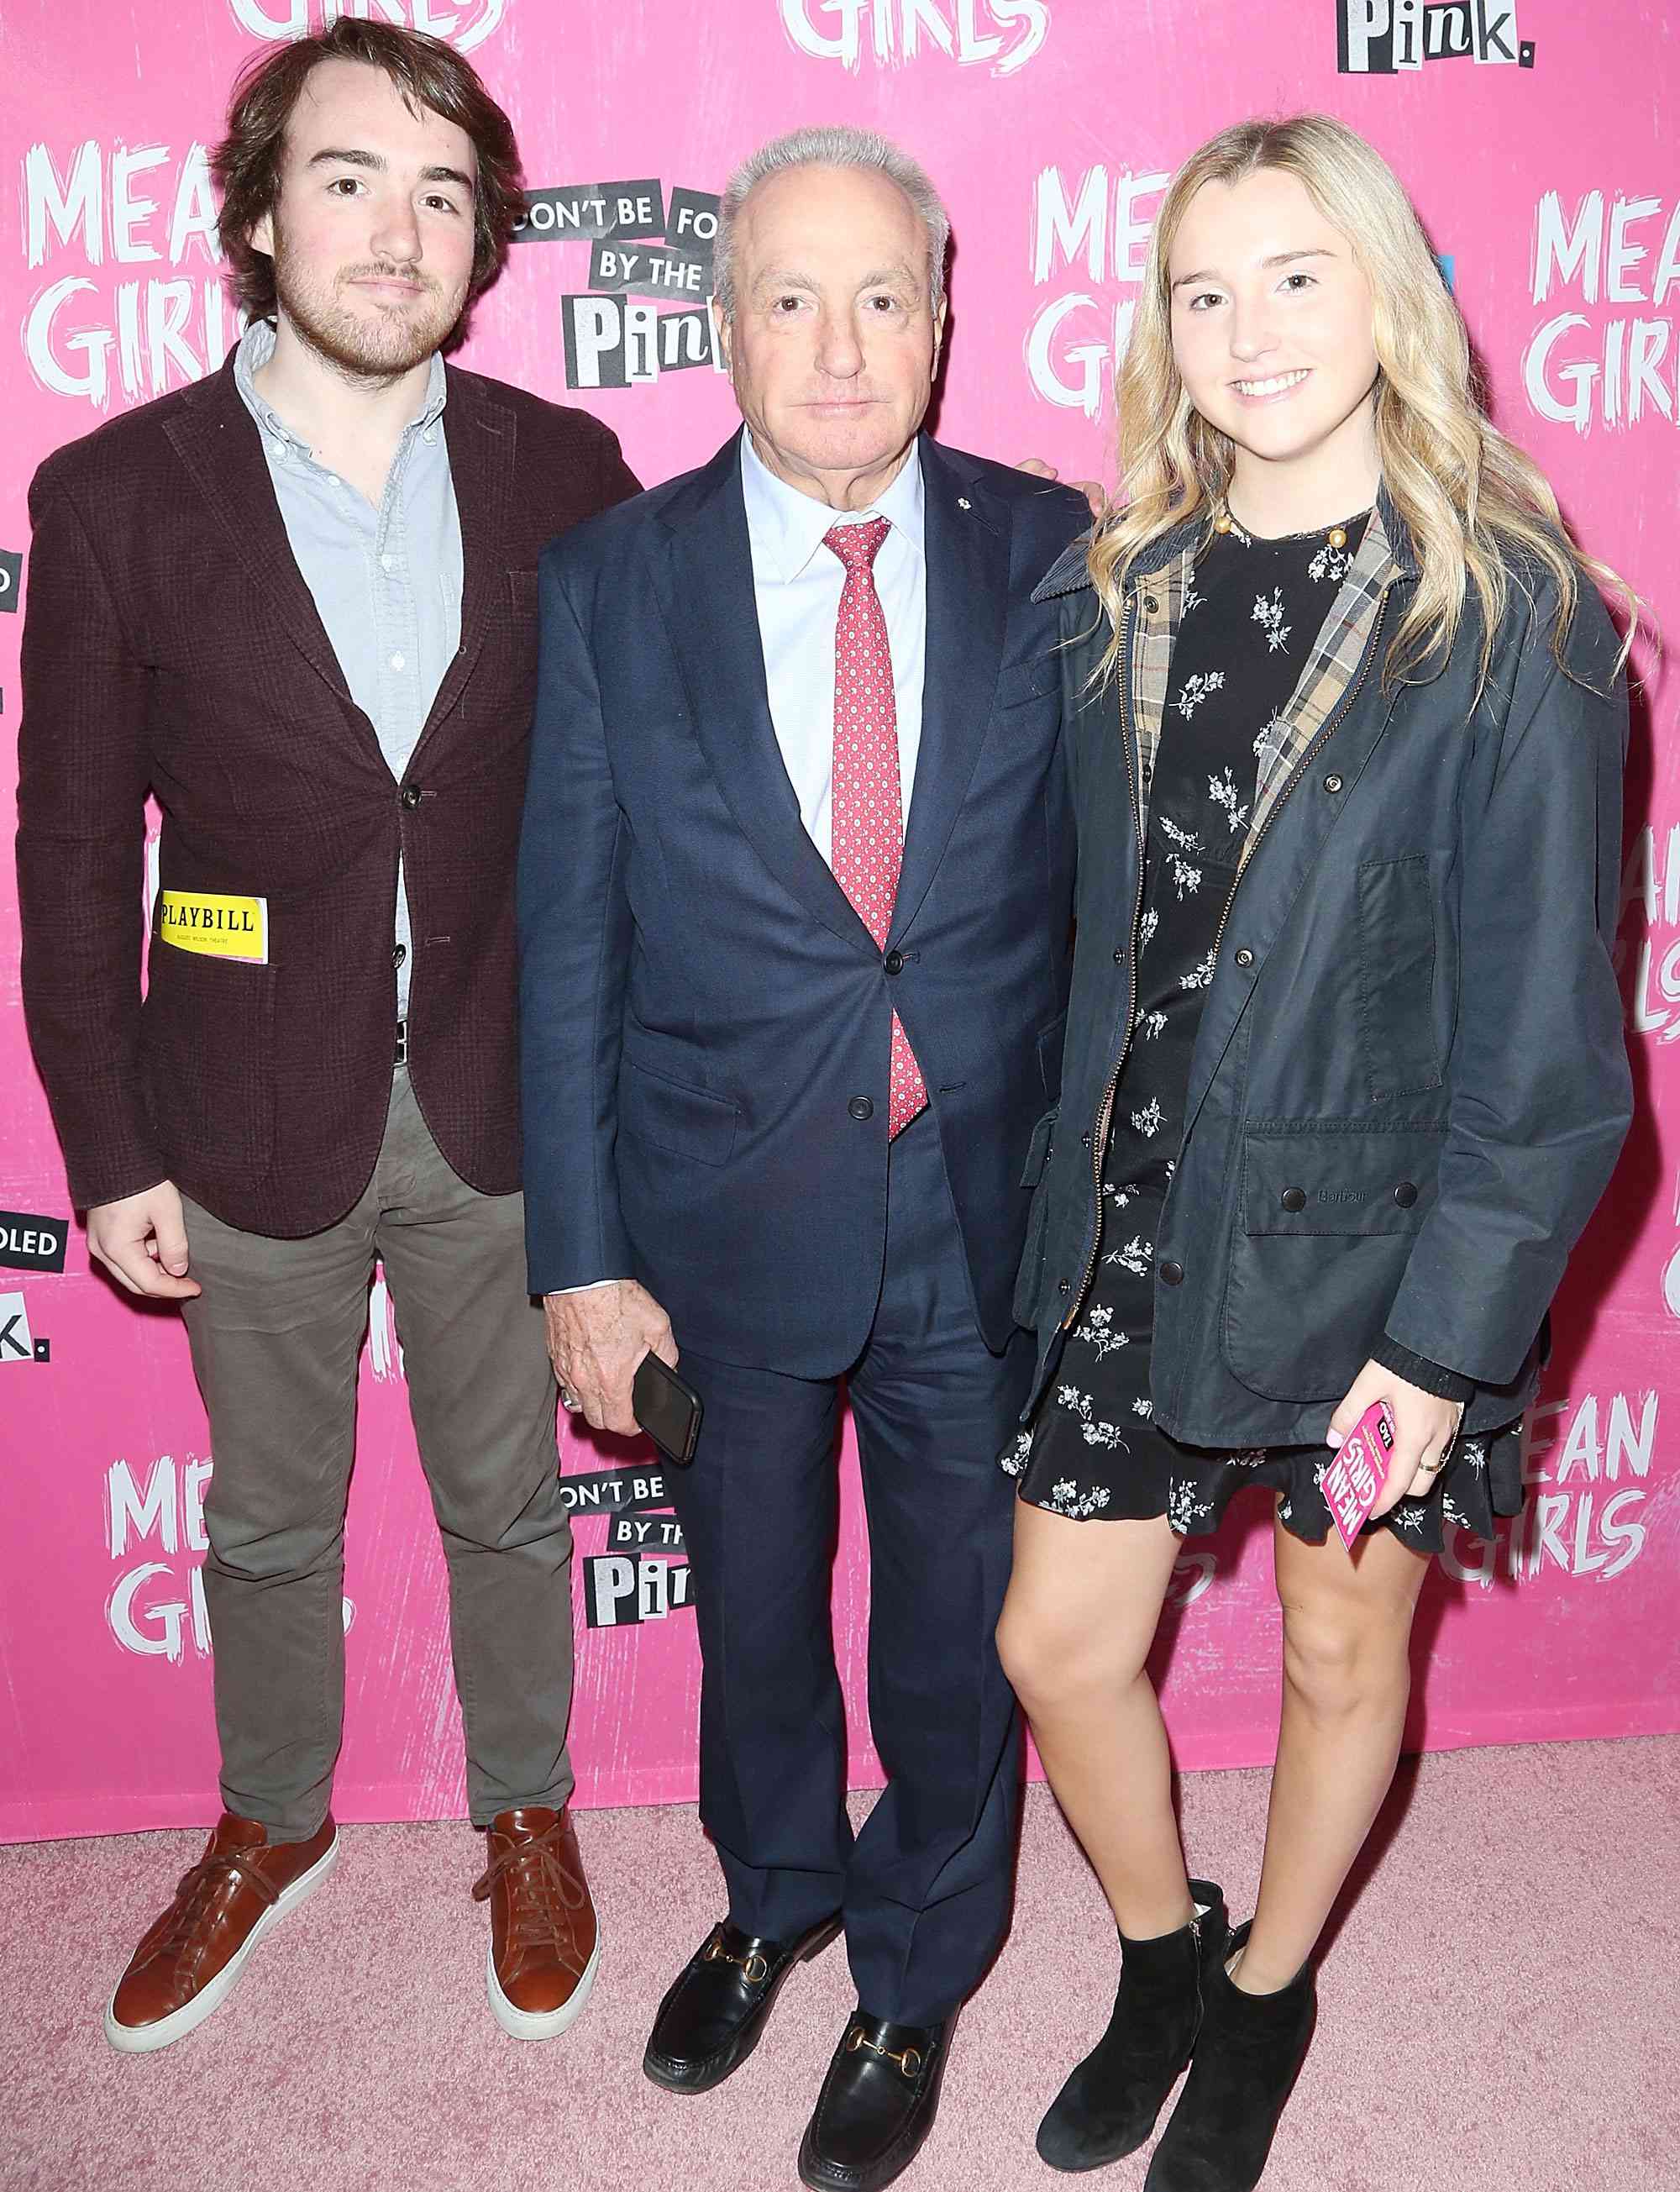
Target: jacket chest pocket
<point>1405,960</point>
<point>1038,678</point>
<point>1325,1230</point>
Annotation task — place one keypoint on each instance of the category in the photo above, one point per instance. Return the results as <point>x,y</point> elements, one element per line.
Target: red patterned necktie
<point>869,812</point>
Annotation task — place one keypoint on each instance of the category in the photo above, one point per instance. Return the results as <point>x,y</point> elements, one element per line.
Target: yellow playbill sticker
<point>221,926</point>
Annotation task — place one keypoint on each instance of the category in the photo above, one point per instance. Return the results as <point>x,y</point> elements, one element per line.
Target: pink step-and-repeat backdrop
<point>1531,133</point>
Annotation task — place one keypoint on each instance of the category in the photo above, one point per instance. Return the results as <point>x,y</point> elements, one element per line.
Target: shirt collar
<point>786,528</point>
<point>256,348</point>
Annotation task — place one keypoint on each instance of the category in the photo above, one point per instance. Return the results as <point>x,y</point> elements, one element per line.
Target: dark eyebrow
<point>352,155</point>
<point>345,156</point>
<point>1277,258</point>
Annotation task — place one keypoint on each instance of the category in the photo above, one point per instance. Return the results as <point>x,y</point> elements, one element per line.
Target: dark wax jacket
<point>1409,1085</point>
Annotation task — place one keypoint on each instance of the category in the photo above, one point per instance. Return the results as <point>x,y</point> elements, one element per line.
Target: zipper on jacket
<point>1105,1110</point>
<point>1099,1132</point>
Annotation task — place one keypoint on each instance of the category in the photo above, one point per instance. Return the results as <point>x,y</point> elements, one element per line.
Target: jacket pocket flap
<point>1038,1149</point>
<point>690,1122</point>
<point>1343,1179</point>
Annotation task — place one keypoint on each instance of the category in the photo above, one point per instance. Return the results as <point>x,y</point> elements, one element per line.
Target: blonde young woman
<point>1344,1074</point>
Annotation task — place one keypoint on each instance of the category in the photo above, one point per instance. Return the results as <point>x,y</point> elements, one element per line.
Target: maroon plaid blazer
<point>170,644</point>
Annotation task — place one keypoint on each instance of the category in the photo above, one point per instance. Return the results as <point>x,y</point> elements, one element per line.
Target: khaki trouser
<point>276,1335</point>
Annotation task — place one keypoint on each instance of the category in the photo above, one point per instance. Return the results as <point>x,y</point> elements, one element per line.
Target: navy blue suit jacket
<point>702,1011</point>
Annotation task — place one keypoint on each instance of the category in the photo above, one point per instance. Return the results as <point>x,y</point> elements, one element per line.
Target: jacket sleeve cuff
<point>91,1185</point>
<point>1418,1370</point>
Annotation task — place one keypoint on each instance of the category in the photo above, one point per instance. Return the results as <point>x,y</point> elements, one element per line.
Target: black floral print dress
<point>1250,621</point>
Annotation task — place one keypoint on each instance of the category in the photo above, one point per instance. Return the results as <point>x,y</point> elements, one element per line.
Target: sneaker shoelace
<point>195,1911</point>
<point>540,1889</point>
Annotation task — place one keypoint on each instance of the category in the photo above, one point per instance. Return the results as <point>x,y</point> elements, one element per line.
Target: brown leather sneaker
<point>190,1962</point>
<point>544,1942</point>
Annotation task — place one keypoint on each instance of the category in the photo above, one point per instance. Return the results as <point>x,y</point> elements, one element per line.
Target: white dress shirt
<point>796,585</point>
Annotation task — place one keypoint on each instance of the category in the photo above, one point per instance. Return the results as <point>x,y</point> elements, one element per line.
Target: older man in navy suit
<point>795,900</point>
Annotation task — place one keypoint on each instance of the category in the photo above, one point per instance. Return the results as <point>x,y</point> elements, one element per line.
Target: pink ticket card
<point>1354,1482</point>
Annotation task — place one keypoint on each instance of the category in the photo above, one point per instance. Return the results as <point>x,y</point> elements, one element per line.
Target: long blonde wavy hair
<point>1473,504</point>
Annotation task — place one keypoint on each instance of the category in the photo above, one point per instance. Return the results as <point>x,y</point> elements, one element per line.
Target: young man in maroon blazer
<point>297,602</point>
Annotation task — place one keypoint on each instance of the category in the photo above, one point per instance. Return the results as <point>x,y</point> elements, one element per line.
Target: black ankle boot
<point>1109,2106</point>
<point>1250,2051</point>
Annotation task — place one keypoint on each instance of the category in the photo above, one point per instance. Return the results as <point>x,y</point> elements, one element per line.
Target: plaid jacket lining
<point>1325,676</point>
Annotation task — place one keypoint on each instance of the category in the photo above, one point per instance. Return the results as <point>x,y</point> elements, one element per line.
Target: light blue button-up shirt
<point>386,582</point>
<point>796,585</point>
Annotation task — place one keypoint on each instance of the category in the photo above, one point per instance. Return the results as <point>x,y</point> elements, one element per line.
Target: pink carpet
<point>1500,2011</point>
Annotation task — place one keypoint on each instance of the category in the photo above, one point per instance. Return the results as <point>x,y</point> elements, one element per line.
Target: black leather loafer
<point>711,2019</point>
<point>877,2104</point>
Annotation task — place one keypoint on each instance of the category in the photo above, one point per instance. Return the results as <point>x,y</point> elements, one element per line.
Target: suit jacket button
<point>894,962</point>
<point>1405,1195</point>
<point>1295,1198</point>
<point>1332,782</point>
<point>1245,956</point>
<point>1064,1286</point>
<point>1172,1275</point>
<point>861,1107</point>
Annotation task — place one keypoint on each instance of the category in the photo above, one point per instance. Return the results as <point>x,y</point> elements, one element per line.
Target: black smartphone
<point>668,1410</point>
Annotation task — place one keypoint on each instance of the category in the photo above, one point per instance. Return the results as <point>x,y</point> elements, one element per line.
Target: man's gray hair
<point>838,145</point>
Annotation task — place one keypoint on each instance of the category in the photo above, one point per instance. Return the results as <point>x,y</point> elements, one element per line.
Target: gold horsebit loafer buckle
<point>753,1967</point>
<point>908,2059</point>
